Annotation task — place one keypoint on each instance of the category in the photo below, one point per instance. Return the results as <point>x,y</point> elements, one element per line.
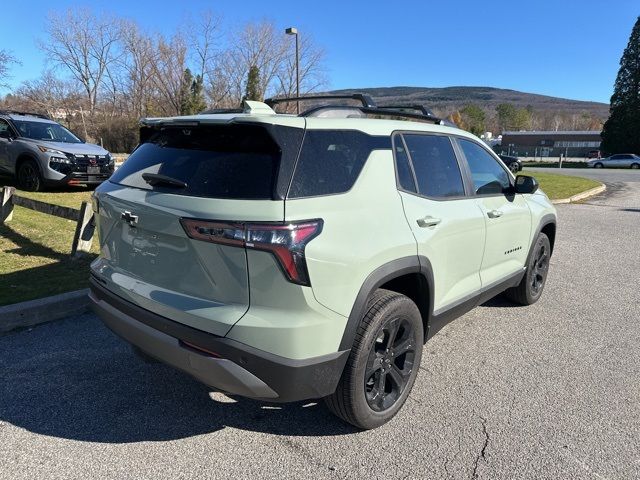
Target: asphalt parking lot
<point>547,391</point>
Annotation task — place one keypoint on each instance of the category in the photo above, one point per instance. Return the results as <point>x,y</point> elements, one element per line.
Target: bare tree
<point>168,73</point>
<point>260,45</point>
<point>85,44</point>
<point>312,72</point>
<point>6,60</point>
<point>52,95</point>
<point>204,35</point>
<point>138,62</point>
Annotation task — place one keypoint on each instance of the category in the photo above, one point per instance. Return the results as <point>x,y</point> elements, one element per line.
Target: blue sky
<point>562,48</point>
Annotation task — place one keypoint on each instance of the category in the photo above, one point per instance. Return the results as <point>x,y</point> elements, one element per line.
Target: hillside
<point>448,99</point>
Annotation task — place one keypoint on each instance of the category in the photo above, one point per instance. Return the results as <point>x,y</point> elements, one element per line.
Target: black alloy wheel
<point>29,177</point>
<point>390,364</point>
<point>540,268</point>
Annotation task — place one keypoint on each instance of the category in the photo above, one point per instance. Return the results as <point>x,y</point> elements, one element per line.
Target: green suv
<point>291,257</point>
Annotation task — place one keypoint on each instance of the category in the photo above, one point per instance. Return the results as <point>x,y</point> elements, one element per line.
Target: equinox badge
<point>128,217</point>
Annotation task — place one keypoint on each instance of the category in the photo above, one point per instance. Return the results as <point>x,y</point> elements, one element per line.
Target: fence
<point>85,227</point>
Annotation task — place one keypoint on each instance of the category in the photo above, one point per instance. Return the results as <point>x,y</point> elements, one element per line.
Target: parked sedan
<point>620,160</point>
<point>513,163</point>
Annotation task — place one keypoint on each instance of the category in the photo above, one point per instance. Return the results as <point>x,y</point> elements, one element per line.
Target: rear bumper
<point>235,368</point>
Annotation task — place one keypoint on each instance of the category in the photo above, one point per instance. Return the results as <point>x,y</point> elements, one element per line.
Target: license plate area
<point>93,170</point>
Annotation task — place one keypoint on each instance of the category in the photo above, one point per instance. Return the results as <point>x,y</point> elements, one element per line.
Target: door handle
<point>494,213</point>
<point>428,221</point>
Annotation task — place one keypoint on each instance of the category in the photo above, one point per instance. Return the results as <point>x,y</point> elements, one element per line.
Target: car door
<point>447,225</point>
<point>614,161</point>
<point>506,214</point>
<point>625,161</point>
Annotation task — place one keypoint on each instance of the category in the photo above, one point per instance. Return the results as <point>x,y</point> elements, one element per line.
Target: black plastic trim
<point>381,275</point>
<point>433,322</point>
<point>451,312</point>
<point>292,380</point>
<point>548,219</point>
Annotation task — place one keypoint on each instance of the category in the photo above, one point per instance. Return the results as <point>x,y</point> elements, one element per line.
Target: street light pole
<point>294,31</point>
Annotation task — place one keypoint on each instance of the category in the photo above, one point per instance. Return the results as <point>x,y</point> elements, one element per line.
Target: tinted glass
<point>52,132</point>
<point>405,176</point>
<point>435,165</point>
<point>214,161</point>
<point>489,177</point>
<point>4,129</point>
<point>331,160</point>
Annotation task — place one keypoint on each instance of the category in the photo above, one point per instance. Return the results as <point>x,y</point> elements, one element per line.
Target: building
<point>550,144</point>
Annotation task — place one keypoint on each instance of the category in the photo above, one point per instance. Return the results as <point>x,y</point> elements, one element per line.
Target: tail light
<point>286,242</point>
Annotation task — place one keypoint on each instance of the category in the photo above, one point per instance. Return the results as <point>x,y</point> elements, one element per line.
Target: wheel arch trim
<point>548,219</point>
<point>416,264</point>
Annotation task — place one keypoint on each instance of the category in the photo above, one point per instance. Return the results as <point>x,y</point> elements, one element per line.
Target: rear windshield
<point>218,161</point>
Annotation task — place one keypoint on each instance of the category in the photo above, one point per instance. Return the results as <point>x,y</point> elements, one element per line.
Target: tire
<point>635,166</point>
<point>532,284</point>
<point>28,176</point>
<point>514,167</point>
<point>598,165</point>
<point>385,356</point>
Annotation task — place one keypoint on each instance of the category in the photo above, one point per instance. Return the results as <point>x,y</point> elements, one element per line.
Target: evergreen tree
<point>197,101</point>
<point>192,94</point>
<point>621,132</point>
<point>185,93</point>
<point>473,119</point>
<point>506,116</point>
<point>253,85</point>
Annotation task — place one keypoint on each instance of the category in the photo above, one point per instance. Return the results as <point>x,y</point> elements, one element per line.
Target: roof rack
<point>368,107</point>
<point>365,99</point>
<point>16,112</point>
<point>418,107</point>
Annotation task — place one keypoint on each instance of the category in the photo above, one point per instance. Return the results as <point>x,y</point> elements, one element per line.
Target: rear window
<point>218,161</point>
<point>435,165</point>
<point>331,161</point>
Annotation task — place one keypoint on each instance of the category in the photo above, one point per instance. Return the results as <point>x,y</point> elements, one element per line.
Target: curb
<point>581,196</point>
<point>42,310</point>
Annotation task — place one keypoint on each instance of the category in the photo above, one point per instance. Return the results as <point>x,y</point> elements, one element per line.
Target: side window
<point>331,161</point>
<point>405,175</point>
<point>4,129</point>
<point>435,165</point>
<point>489,177</point>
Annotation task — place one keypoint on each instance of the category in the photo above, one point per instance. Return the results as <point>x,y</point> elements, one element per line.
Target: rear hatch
<point>216,172</point>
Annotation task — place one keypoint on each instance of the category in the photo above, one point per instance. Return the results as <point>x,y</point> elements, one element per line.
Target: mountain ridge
<point>449,99</point>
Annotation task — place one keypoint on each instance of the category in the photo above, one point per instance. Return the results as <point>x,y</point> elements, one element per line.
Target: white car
<point>620,160</point>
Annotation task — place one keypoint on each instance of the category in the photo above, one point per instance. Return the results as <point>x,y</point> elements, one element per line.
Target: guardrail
<point>85,227</point>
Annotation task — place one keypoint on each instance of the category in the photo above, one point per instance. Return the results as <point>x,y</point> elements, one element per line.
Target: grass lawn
<point>561,186</point>
<point>35,247</point>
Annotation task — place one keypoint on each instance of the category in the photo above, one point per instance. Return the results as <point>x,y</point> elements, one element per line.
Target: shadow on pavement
<point>76,380</point>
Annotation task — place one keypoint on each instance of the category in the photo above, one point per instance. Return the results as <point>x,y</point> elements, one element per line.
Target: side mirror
<point>526,184</point>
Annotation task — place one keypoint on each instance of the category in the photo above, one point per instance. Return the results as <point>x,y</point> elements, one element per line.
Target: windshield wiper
<point>154,179</point>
